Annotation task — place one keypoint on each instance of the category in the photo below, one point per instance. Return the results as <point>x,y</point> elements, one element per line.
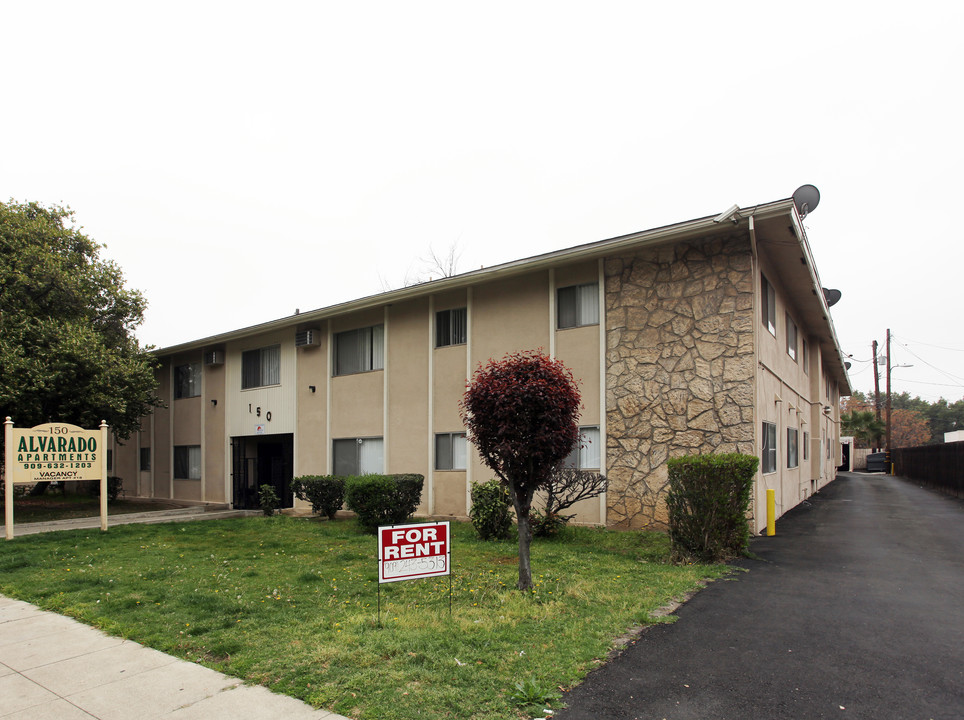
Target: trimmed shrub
<point>491,511</point>
<point>268,499</point>
<point>708,499</point>
<point>566,487</point>
<point>383,499</point>
<point>326,493</point>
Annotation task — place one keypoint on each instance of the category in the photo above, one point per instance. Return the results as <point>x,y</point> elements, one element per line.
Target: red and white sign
<point>406,552</point>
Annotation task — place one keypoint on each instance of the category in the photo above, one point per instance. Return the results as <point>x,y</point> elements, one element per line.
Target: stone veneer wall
<point>679,366</point>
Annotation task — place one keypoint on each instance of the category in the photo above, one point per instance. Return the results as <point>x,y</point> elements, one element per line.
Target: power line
<point>933,367</point>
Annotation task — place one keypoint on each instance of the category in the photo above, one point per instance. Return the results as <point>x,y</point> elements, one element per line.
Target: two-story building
<point>711,335</point>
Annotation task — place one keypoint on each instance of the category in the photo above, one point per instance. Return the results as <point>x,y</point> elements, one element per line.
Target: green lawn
<point>290,603</point>
<point>54,506</point>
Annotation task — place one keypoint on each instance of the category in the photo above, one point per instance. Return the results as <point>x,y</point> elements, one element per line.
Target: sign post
<point>409,552</point>
<point>53,452</point>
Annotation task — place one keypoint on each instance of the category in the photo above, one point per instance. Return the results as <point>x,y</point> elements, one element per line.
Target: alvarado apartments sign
<point>54,452</point>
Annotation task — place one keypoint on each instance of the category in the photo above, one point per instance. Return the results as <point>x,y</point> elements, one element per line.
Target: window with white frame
<point>577,305</point>
<point>450,451</point>
<point>358,456</point>
<point>187,462</point>
<point>806,446</point>
<point>768,459</point>
<point>187,380</point>
<point>451,327</point>
<point>792,458</point>
<point>361,350</point>
<point>261,367</point>
<point>768,301</point>
<point>791,338</point>
<point>585,456</point>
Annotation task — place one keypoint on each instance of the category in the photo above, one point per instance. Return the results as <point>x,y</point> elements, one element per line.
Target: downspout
<point>757,292</point>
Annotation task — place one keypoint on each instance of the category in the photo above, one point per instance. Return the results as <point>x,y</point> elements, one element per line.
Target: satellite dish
<point>831,296</point>
<point>847,365</point>
<point>806,198</point>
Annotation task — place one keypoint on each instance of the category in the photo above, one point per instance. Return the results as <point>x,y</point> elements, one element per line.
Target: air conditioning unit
<point>214,357</point>
<point>307,338</point>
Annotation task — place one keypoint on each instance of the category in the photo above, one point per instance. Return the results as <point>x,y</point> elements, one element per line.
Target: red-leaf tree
<point>521,414</point>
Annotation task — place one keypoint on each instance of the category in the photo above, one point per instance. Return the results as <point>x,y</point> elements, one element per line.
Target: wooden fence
<point>938,466</point>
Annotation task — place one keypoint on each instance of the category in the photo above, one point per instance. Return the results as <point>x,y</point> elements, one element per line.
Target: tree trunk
<point>525,541</point>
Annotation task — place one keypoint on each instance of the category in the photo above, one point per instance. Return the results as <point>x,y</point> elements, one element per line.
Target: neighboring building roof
<point>775,227</point>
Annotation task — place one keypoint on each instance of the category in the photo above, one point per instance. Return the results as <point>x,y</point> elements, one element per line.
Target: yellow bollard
<point>771,512</point>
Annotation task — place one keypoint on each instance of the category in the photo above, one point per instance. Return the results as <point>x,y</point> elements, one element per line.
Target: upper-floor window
<point>451,327</point>
<point>768,456</point>
<point>358,456</point>
<point>578,305</point>
<point>791,338</point>
<point>806,356</point>
<point>360,350</point>
<point>187,380</point>
<point>769,305</point>
<point>261,367</point>
<point>585,456</point>
<point>450,451</point>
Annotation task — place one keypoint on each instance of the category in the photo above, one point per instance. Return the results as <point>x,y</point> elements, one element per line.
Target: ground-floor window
<point>792,436</point>
<point>450,451</point>
<point>358,456</point>
<point>585,456</point>
<point>145,458</point>
<point>806,446</point>
<point>187,462</point>
<point>768,458</point>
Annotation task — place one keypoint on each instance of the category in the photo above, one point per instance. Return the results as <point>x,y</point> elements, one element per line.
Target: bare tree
<point>566,487</point>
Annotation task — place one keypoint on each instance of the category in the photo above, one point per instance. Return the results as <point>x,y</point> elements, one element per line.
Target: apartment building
<point>710,335</point>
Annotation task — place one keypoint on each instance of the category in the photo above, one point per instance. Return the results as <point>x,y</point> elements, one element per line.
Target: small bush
<point>115,486</point>
<point>491,511</point>
<point>566,487</point>
<point>326,493</point>
<point>707,502</point>
<point>383,499</point>
<point>268,499</point>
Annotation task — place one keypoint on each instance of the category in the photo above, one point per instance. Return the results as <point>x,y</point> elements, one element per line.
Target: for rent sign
<point>55,452</point>
<point>406,552</point>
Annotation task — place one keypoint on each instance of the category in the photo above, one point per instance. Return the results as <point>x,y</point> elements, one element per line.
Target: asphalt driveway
<point>853,610</point>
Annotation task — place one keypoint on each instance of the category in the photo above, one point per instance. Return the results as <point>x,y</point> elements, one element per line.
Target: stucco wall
<point>680,366</point>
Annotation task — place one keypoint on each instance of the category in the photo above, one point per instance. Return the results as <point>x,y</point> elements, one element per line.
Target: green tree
<point>67,349</point>
<point>864,426</point>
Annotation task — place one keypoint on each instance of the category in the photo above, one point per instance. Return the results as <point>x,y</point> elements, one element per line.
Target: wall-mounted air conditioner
<point>307,338</point>
<point>214,357</point>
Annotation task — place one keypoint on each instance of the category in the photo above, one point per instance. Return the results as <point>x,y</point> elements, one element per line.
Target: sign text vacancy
<point>407,552</point>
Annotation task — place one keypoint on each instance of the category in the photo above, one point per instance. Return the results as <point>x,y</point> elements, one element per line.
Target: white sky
<point>240,160</point>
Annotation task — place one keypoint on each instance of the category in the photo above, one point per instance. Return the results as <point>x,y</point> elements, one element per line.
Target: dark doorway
<point>845,455</point>
<point>258,460</point>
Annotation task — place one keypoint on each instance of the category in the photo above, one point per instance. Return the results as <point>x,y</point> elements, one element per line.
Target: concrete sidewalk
<point>53,667</point>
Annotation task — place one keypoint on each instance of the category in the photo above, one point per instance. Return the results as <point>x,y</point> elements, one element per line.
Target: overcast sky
<point>240,160</point>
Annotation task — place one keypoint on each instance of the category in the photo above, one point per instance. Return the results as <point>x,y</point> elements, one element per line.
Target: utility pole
<point>887,453</point>
<point>876,391</point>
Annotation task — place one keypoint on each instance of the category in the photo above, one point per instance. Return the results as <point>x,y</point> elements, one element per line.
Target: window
<point>806,446</point>
<point>358,456</point>
<point>187,462</point>
<point>806,357</point>
<point>187,381</point>
<point>451,327</point>
<point>578,305</point>
<point>110,461</point>
<point>585,456</point>
<point>792,437</point>
<point>769,303</point>
<point>145,463</point>
<point>791,338</point>
<point>261,367</point>
<point>450,451</point>
<point>360,350</point>
<point>769,459</point>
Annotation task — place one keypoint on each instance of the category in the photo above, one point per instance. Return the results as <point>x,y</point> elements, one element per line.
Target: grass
<point>55,506</point>
<point>290,603</point>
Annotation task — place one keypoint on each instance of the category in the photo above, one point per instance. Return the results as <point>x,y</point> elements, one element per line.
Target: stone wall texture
<point>680,366</point>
